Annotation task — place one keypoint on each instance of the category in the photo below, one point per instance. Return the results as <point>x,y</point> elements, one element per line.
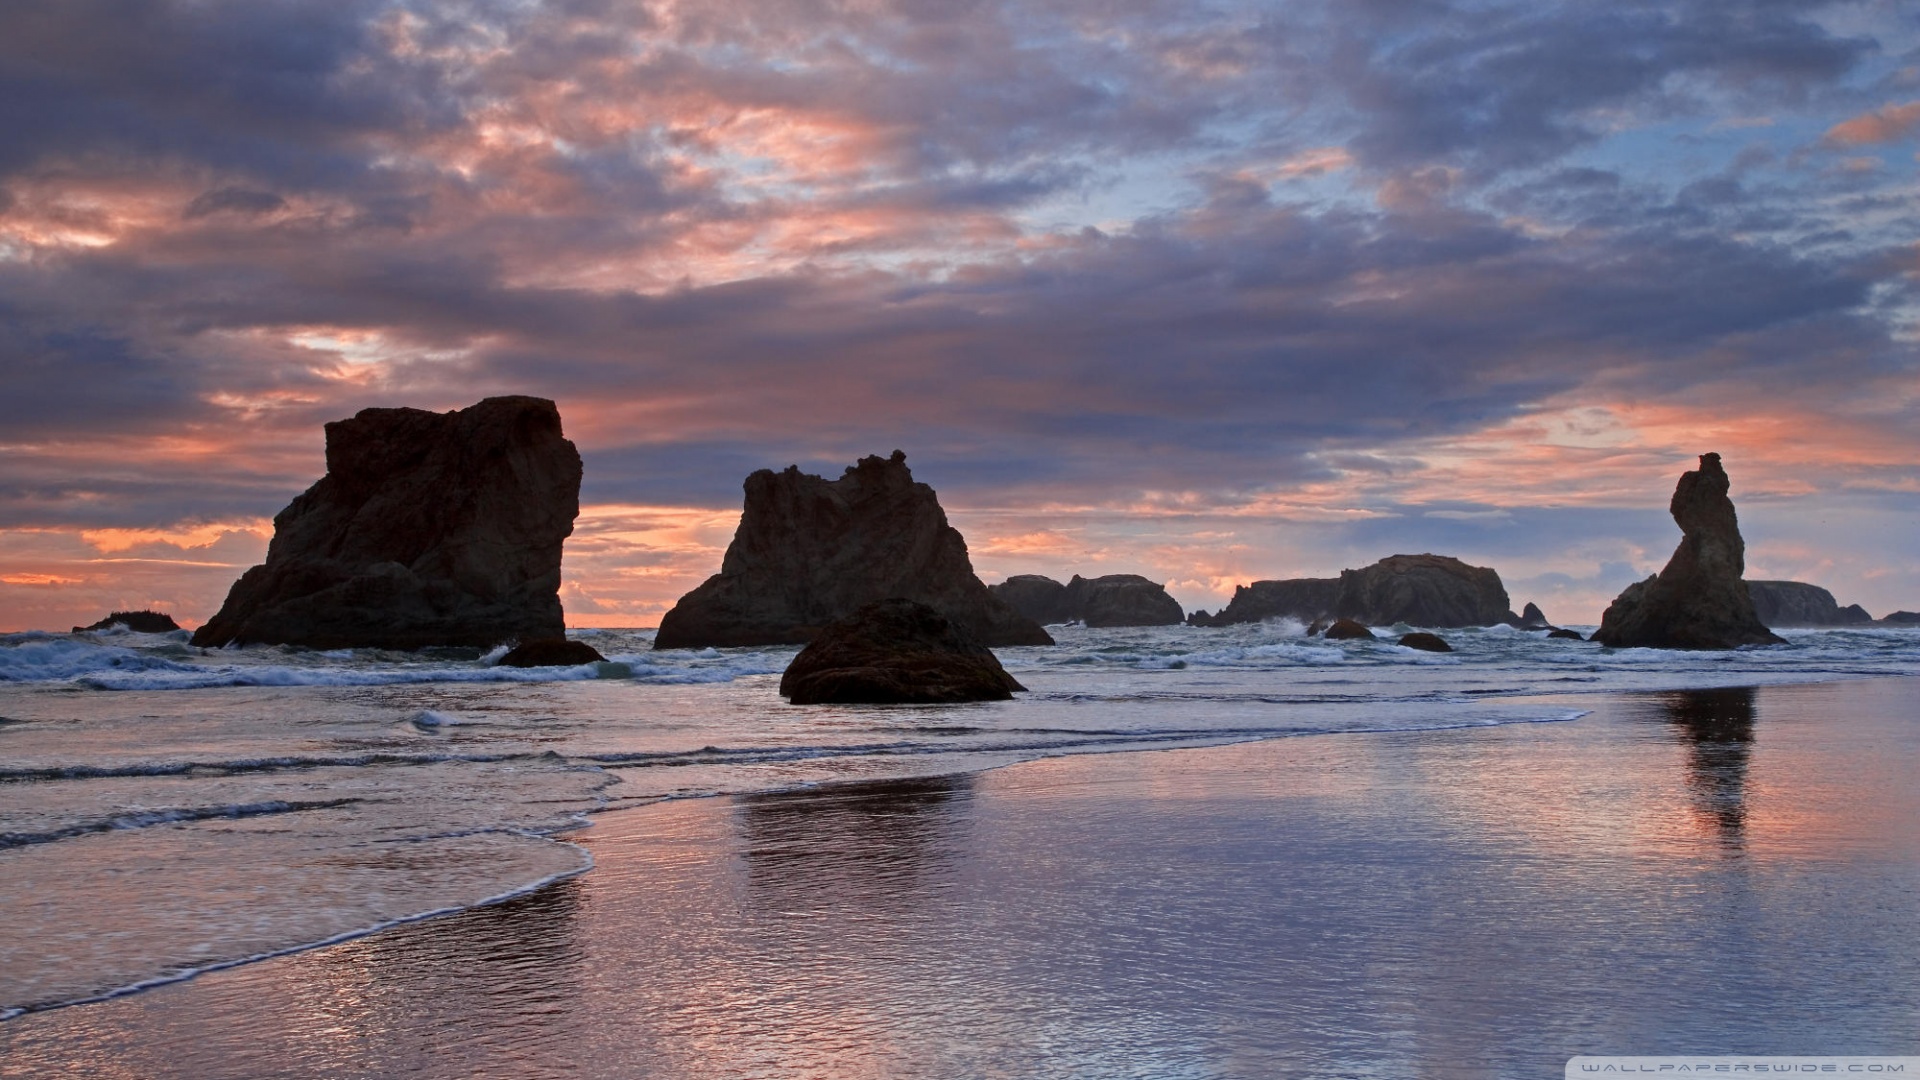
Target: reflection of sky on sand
<point>1713,872</point>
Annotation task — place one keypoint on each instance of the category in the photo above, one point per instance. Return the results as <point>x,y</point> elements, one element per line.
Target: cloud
<point>1889,123</point>
<point>1326,266</point>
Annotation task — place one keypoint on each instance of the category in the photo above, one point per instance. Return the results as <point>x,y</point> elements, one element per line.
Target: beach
<point>1713,869</point>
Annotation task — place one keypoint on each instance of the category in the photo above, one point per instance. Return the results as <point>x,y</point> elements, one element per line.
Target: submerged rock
<point>428,529</point>
<point>895,652</point>
<point>551,652</point>
<point>1348,630</point>
<point>140,622</point>
<point>1796,603</point>
<point>809,551</point>
<point>1565,635</point>
<point>1113,600</point>
<point>1425,642</point>
<point>1699,600</point>
<point>1419,590</point>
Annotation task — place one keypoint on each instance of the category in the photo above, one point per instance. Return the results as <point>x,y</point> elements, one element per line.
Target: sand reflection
<point>1718,728</point>
<point>868,847</point>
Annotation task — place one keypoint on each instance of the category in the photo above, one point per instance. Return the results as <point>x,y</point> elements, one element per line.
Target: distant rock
<point>1796,603</point>
<point>895,652</point>
<point>551,652</point>
<point>140,622</point>
<point>1419,590</point>
<point>1113,600</point>
<point>1902,618</point>
<point>1036,596</point>
<point>1699,600</point>
<point>428,529</point>
<point>1532,618</point>
<point>1565,635</point>
<point>809,551</point>
<point>1348,630</point>
<point>1425,642</point>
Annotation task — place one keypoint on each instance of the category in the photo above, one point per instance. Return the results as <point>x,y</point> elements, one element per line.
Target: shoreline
<point>605,817</point>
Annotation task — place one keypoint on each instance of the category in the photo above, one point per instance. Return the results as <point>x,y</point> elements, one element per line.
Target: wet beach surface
<point>1717,870</point>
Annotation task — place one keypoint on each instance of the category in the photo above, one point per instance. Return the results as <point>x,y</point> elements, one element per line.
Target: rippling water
<point>1706,871</point>
<point>165,810</point>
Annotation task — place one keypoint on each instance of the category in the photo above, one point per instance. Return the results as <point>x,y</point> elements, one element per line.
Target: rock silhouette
<point>895,652</point>
<point>1348,630</point>
<point>551,652</point>
<point>140,622</point>
<point>428,529</point>
<point>1419,590</point>
<point>1113,600</point>
<point>1699,600</point>
<point>1532,618</point>
<point>809,551</point>
<point>1796,603</point>
<point>1425,642</point>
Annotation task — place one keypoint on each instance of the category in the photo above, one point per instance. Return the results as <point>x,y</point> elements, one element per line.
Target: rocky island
<point>1419,590</point>
<point>427,529</point>
<point>809,551</point>
<point>1113,600</point>
<point>1699,601</point>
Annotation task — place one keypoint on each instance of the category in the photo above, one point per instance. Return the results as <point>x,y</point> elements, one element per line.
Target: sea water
<point>166,810</point>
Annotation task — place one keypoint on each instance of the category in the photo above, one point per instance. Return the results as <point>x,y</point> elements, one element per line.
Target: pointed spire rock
<point>1700,600</point>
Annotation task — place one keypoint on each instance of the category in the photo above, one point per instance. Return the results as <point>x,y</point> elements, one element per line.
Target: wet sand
<point>1705,871</point>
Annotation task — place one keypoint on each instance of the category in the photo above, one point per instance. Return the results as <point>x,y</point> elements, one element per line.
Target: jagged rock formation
<point>1348,630</point>
<point>428,529</point>
<point>809,551</point>
<point>1532,618</point>
<point>1425,642</point>
<point>895,652</point>
<point>1699,600</point>
<point>140,622</point>
<point>1113,600</point>
<point>1796,603</point>
<point>551,652</point>
<point>1419,590</point>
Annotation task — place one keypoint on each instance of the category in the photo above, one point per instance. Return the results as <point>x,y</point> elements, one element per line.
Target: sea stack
<point>1419,590</point>
<point>895,652</point>
<point>1699,601</point>
<point>1112,600</point>
<point>809,551</point>
<point>428,529</point>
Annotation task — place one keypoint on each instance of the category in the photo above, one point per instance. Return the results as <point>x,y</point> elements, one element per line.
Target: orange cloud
<point>1885,124</point>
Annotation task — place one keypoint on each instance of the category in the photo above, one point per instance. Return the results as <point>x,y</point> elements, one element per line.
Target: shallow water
<point>163,811</point>
<point>1703,871</point>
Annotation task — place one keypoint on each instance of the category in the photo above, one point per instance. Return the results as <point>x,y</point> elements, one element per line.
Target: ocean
<point>1184,851</point>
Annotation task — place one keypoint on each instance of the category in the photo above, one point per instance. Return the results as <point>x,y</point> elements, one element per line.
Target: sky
<point>1210,292</point>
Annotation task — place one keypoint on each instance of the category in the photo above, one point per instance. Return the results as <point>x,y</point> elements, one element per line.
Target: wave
<point>140,819</point>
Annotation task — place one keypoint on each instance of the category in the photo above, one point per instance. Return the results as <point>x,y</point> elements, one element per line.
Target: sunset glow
<point>1208,295</point>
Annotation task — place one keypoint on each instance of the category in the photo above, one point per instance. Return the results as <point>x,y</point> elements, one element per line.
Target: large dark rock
<point>809,551</point>
<point>428,529</point>
<point>1419,590</point>
<point>1348,630</point>
<point>1796,603</point>
<point>1532,618</point>
<point>895,652</point>
<point>1902,618</point>
<point>1699,600</point>
<point>140,622</point>
<point>1113,600</point>
<point>1425,642</point>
